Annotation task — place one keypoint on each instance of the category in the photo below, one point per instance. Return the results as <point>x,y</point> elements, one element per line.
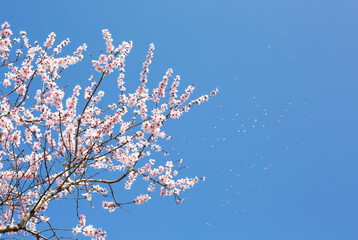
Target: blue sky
<point>288,65</point>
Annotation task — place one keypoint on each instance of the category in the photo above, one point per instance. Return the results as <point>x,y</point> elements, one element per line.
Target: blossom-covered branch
<point>54,147</point>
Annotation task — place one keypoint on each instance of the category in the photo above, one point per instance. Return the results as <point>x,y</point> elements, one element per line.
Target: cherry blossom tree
<point>55,147</point>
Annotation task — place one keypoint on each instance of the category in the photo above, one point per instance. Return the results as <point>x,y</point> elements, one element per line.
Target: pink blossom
<point>76,230</point>
<point>142,199</point>
<point>50,40</point>
<point>163,191</point>
<point>44,218</point>
<point>82,220</point>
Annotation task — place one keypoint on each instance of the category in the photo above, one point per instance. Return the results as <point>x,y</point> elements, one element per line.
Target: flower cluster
<point>141,199</point>
<point>89,230</point>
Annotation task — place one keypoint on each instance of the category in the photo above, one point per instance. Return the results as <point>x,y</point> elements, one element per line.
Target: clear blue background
<point>295,178</point>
